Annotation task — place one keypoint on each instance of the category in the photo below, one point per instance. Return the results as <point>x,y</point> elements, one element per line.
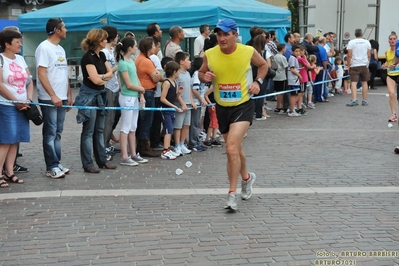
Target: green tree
<point>293,7</point>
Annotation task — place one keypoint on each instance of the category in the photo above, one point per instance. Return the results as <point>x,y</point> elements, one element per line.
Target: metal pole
<point>301,21</point>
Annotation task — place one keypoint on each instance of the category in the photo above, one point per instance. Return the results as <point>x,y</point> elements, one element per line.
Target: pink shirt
<point>303,71</point>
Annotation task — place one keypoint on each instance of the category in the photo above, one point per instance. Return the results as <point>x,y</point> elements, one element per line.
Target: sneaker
<point>221,139</point>
<point>231,202</point>
<point>282,112</point>
<point>303,106</point>
<point>365,103</point>
<point>113,149</point>
<point>174,153</point>
<point>261,118</point>
<point>204,148</point>
<point>208,143</point>
<point>360,89</point>
<point>293,114</point>
<point>64,169</point>
<point>311,105</point>
<point>393,118</point>
<point>110,151</point>
<point>138,159</point>
<point>55,173</point>
<point>129,162</point>
<point>184,149</point>
<point>352,103</point>
<point>20,169</point>
<point>167,155</point>
<point>301,111</point>
<point>267,108</point>
<point>277,110</point>
<point>198,148</point>
<point>216,144</point>
<point>178,151</point>
<point>246,186</point>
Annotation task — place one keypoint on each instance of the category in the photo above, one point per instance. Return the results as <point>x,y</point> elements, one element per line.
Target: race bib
<point>394,71</point>
<point>230,92</point>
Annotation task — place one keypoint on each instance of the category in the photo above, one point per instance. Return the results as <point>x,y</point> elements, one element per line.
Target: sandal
<point>265,114</point>
<point>13,179</point>
<point>114,139</point>
<point>3,183</point>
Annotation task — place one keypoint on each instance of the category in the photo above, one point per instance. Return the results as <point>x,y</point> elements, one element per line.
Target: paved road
<point>327,187</point>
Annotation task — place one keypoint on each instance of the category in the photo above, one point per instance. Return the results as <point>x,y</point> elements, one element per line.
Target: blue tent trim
<point>5,23</point>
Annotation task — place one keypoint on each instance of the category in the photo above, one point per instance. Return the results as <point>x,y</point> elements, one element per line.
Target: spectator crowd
<point>166,111</point>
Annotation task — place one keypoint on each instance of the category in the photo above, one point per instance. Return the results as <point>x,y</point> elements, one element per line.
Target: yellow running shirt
<point>233,74</point>
<point>390,57</point>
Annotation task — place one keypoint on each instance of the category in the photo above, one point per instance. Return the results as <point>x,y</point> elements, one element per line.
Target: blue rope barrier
<point>155,108</point>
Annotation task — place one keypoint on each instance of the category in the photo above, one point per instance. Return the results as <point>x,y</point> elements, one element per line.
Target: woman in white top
<point>14,75</point>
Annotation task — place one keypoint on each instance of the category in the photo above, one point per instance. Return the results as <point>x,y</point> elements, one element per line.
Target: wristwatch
<point>259,80</point>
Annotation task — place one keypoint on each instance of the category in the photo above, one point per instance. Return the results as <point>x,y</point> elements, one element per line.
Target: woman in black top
<point>96,72</point>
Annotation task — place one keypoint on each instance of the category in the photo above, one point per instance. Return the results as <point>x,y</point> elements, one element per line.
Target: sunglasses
<point>59,22</point>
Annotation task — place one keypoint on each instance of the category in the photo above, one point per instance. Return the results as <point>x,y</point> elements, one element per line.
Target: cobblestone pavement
<point>326,192</point>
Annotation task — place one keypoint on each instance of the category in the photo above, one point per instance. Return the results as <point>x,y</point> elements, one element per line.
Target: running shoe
<point>64,169</point>
<point>129,162</point>
<point>55,173</point>
<point>167,155</point>
<point>231,202</point>
<point>246,186</point>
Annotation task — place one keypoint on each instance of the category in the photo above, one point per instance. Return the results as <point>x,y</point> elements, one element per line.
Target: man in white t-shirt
<point>359,53</point>
<point>53,88</point>
<point>199,41</point>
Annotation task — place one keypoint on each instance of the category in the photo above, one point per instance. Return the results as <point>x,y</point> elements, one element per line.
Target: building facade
<point>11,9</point>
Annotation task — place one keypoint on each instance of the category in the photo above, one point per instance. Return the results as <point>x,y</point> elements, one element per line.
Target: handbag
<point>34,115</point>
<point>271,73</point>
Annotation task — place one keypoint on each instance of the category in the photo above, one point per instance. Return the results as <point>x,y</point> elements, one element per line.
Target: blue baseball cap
<point>226,25</point>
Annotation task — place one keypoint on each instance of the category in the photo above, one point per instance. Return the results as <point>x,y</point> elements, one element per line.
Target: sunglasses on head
<point>59,22</point>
